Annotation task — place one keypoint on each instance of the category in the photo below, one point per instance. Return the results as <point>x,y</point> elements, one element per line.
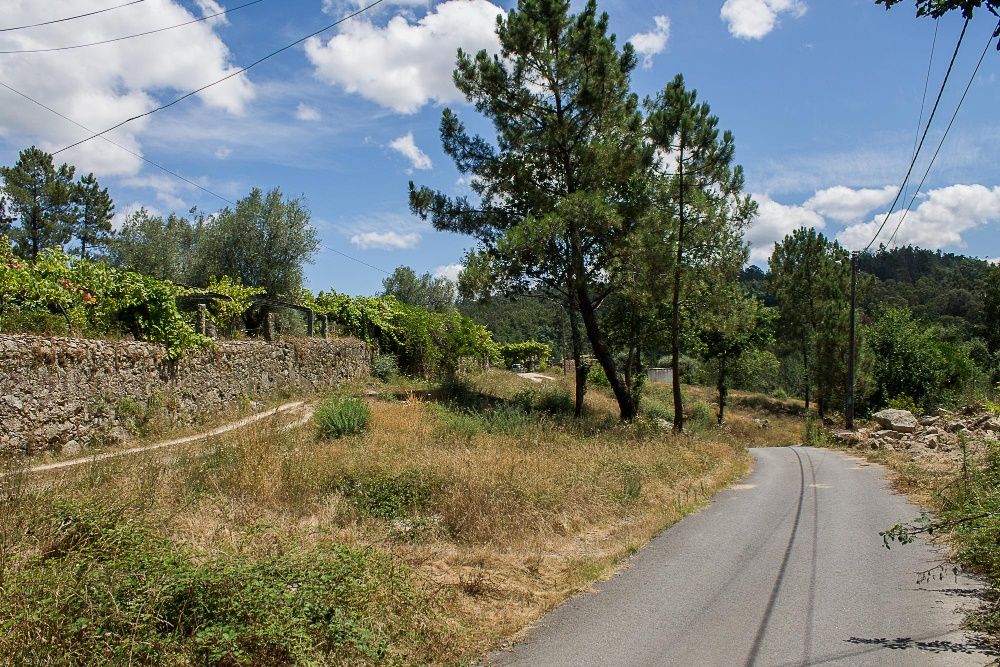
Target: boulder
<point>928,420</point>
<point>901,421</point>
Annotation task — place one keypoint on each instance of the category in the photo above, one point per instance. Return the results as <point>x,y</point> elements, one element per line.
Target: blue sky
<point>823,97</point>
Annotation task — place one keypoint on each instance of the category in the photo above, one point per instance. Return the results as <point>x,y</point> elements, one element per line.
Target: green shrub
<point>655,409</point>
<point>111,590</point>
<point>700,414</point>
<point>549,400</point>
<point>385,367</point>
<point>597,376</point>
<point>904,402</point>
<point>341,415</point>
<point>388,496</point>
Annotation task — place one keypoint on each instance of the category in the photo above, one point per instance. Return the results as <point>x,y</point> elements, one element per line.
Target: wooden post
<point>324,326</point>
<point>202,318</point>
<point>310,318</point>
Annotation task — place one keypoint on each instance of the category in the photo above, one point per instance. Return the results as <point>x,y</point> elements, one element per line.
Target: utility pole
<point>852,347</point>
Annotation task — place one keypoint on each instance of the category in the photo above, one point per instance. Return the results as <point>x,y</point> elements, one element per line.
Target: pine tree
<point>810,278</point>
<point>93,211</point>
<point>559,189</point>
<point>41,197</point>
<point>697,193</point>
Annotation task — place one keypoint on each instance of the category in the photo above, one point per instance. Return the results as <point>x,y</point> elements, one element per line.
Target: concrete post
<point>324,326</point>
<point>310,318</point>
<point>202,318</point>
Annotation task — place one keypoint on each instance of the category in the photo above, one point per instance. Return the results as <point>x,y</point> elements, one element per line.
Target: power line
<point>355,259</point>
<point>168,171</point>
<point>139,34</point>
<point>927,128</point>
<point>923,99</point>
<point>115,143</point>
<point>71,18</point>
<point>228,76</point>
<point>927,171</point>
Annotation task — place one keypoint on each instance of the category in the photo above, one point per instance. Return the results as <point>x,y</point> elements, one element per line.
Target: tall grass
<point>451,522</point>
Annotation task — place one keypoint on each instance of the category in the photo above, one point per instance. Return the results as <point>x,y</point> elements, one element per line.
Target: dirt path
<point>205,435</point>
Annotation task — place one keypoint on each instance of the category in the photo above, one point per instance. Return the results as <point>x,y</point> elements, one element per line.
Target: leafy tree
<point>810,278</point>
<point>938,8</point>
<point>93,213</point>
<point>158,247</point>
<point>735,324</point>
<point>557,191</point>
<point>433,293</point>
<point>697,194</point>
<point>991,309</point>
<point>264,241</point>
<point>41,196</point>
<point>910,359</point>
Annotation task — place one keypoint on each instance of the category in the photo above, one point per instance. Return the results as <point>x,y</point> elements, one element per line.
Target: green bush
<point>388,496</point>
<point>913,359</point>
<point>385,367</point>
<point>596,376</point>
<point>904,402</point>
<point>109,589</point>
<point>341,415</point>
<point>700,414</point>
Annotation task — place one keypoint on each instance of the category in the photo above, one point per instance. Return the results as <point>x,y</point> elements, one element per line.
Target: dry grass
<point>498,509</point>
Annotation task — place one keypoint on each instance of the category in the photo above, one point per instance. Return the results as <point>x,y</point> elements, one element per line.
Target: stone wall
<point>68,393</point>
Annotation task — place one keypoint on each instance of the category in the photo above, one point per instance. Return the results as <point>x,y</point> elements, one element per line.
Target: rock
<point>993,424</point>
<point>889,434</point>
<point>928,420</point>
<point>901,421</point>
<point>957,427</point>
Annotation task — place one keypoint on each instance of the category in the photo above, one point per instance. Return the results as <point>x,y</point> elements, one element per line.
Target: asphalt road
<point>785,568</point>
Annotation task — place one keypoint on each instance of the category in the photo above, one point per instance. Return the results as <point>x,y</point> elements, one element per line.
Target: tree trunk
<point>626,405</point>
<point>805,372</point>
<point>580,373</point>
<point>723,391</point>
<point>675,323</point>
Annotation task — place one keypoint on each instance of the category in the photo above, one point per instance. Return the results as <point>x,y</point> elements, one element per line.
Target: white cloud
<point>774,222</point>
<point>210,8</point>
<point>939,221</point>
<point>652,43</point>
<point>753,19</point>
<point>307,113</point>
<point>388,240</point>
<point>848,205</point>
<point>408,147</point>
<point>222,152</point>
<point>102,85</point>
<point>993,260</point>
<point>405,65</point>
<point>449,271</point>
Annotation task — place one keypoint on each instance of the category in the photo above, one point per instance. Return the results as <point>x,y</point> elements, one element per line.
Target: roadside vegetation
<point>459,515</point>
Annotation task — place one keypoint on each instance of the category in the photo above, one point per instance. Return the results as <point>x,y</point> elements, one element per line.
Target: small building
<point>661,375</point>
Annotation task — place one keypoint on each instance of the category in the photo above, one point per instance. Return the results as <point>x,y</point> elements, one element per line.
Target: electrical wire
<point>923,99</point>
<point>115,143</point>
<point>225,78</point>
<point>168,171</point>
<point>927,171</point>
<point>71,18</point>
<point>927,128</point>
<point>138,34</point>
